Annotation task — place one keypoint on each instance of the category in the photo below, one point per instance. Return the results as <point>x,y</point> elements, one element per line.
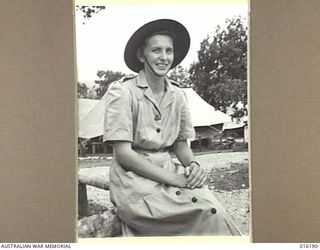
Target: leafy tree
<point>88,11</point>
<point>82,90</point>
<point>220,75</point>
<point>106,77</point>
<point>92,93</point>
<point>181,76</point>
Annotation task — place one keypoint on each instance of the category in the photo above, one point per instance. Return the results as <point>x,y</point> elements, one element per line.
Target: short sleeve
<point>118,114</point>
<point>186,128</point>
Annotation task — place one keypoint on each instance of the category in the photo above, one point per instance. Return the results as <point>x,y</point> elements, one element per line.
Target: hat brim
<point>181,41</point>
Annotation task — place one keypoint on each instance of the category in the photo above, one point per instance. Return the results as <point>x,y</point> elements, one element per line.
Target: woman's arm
<point>132,161</point>
<point>195,173</point>
<point>183,152</point>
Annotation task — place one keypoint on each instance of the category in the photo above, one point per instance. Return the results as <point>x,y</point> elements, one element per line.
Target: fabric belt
<point>155,150</point>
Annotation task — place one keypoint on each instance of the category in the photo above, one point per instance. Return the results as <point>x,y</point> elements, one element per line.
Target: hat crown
<point>178,32</point>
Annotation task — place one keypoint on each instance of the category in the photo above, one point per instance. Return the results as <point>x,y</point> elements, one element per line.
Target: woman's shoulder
<point>120,89</point>
<point>174,83</point>
<point>178,90</point>
<point>124,81</point>
<point>123,84</point>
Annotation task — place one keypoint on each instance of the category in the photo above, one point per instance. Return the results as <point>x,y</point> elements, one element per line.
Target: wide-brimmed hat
<point>181,41</point>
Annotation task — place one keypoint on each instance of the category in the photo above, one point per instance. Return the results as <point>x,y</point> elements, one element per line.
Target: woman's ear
<point>140,56</point>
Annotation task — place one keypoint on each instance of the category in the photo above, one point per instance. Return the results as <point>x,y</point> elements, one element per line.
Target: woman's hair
<point>161,32</point>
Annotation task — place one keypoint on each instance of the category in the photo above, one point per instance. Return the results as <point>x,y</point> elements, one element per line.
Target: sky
<point>100,42</point>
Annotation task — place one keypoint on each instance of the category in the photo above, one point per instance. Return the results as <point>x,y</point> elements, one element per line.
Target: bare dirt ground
<point>228,180</point>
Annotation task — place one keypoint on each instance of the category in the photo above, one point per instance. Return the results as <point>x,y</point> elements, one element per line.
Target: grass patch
<point>230,178</point>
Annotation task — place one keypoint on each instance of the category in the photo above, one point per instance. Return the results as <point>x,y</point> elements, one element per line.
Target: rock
<point>102,225</point>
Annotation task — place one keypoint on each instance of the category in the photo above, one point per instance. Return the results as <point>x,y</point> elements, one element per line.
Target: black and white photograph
<point>163,129</point>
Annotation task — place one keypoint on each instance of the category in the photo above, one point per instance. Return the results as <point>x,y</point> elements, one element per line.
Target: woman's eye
<point>169,51</point>
<point>156,50</point>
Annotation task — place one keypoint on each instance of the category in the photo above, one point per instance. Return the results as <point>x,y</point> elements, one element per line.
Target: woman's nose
<point>163,55</point>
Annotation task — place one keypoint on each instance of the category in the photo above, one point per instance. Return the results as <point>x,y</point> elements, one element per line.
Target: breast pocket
<point>145,124</point>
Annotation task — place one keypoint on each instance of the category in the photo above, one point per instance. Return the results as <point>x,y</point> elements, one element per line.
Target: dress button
<point>158,130</point>
<point>178,193</point>
<point>213,210</point>
<point>194,199</point>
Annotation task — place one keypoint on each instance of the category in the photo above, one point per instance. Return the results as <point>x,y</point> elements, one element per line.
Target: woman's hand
<point>181,181</point>
<point>130,160</point>
<point>196,175</point>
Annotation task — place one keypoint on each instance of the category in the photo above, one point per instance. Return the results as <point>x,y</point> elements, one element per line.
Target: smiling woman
<point>157,53</point>
<point>144,117</point>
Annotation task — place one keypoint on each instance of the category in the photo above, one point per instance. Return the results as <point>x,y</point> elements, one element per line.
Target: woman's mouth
<point>162,65</point>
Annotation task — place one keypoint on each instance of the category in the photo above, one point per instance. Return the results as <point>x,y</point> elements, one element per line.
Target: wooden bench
<point>106,224</point>
<point>83,181</point>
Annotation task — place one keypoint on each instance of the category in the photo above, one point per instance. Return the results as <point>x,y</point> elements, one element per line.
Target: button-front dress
<point>146,207</point>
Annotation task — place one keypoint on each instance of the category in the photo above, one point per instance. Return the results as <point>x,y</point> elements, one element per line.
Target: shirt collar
<point>142,81</point>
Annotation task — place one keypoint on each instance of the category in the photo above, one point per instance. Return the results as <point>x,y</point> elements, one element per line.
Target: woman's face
<point>158,51</point>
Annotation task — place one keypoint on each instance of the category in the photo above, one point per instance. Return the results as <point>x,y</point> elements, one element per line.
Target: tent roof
<point>238,123</point>
<point>91,114</point>
<point>202,113</point>
<point>233,125</point>
<point>91,119</point>
<point>85,106</point>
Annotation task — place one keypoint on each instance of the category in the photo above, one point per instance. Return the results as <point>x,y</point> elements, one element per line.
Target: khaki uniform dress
<point>146,207</point>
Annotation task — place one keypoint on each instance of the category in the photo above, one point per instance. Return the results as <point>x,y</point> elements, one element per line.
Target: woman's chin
<point>159,71</point>
<point>162,72</point>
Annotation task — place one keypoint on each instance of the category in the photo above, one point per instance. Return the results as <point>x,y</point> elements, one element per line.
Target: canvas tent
<point>91,114</point>
<point>91,117</point>
<point>202,113</point>
<point>237,126</point>
<point>233,125</point>
<point>85,106</point>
